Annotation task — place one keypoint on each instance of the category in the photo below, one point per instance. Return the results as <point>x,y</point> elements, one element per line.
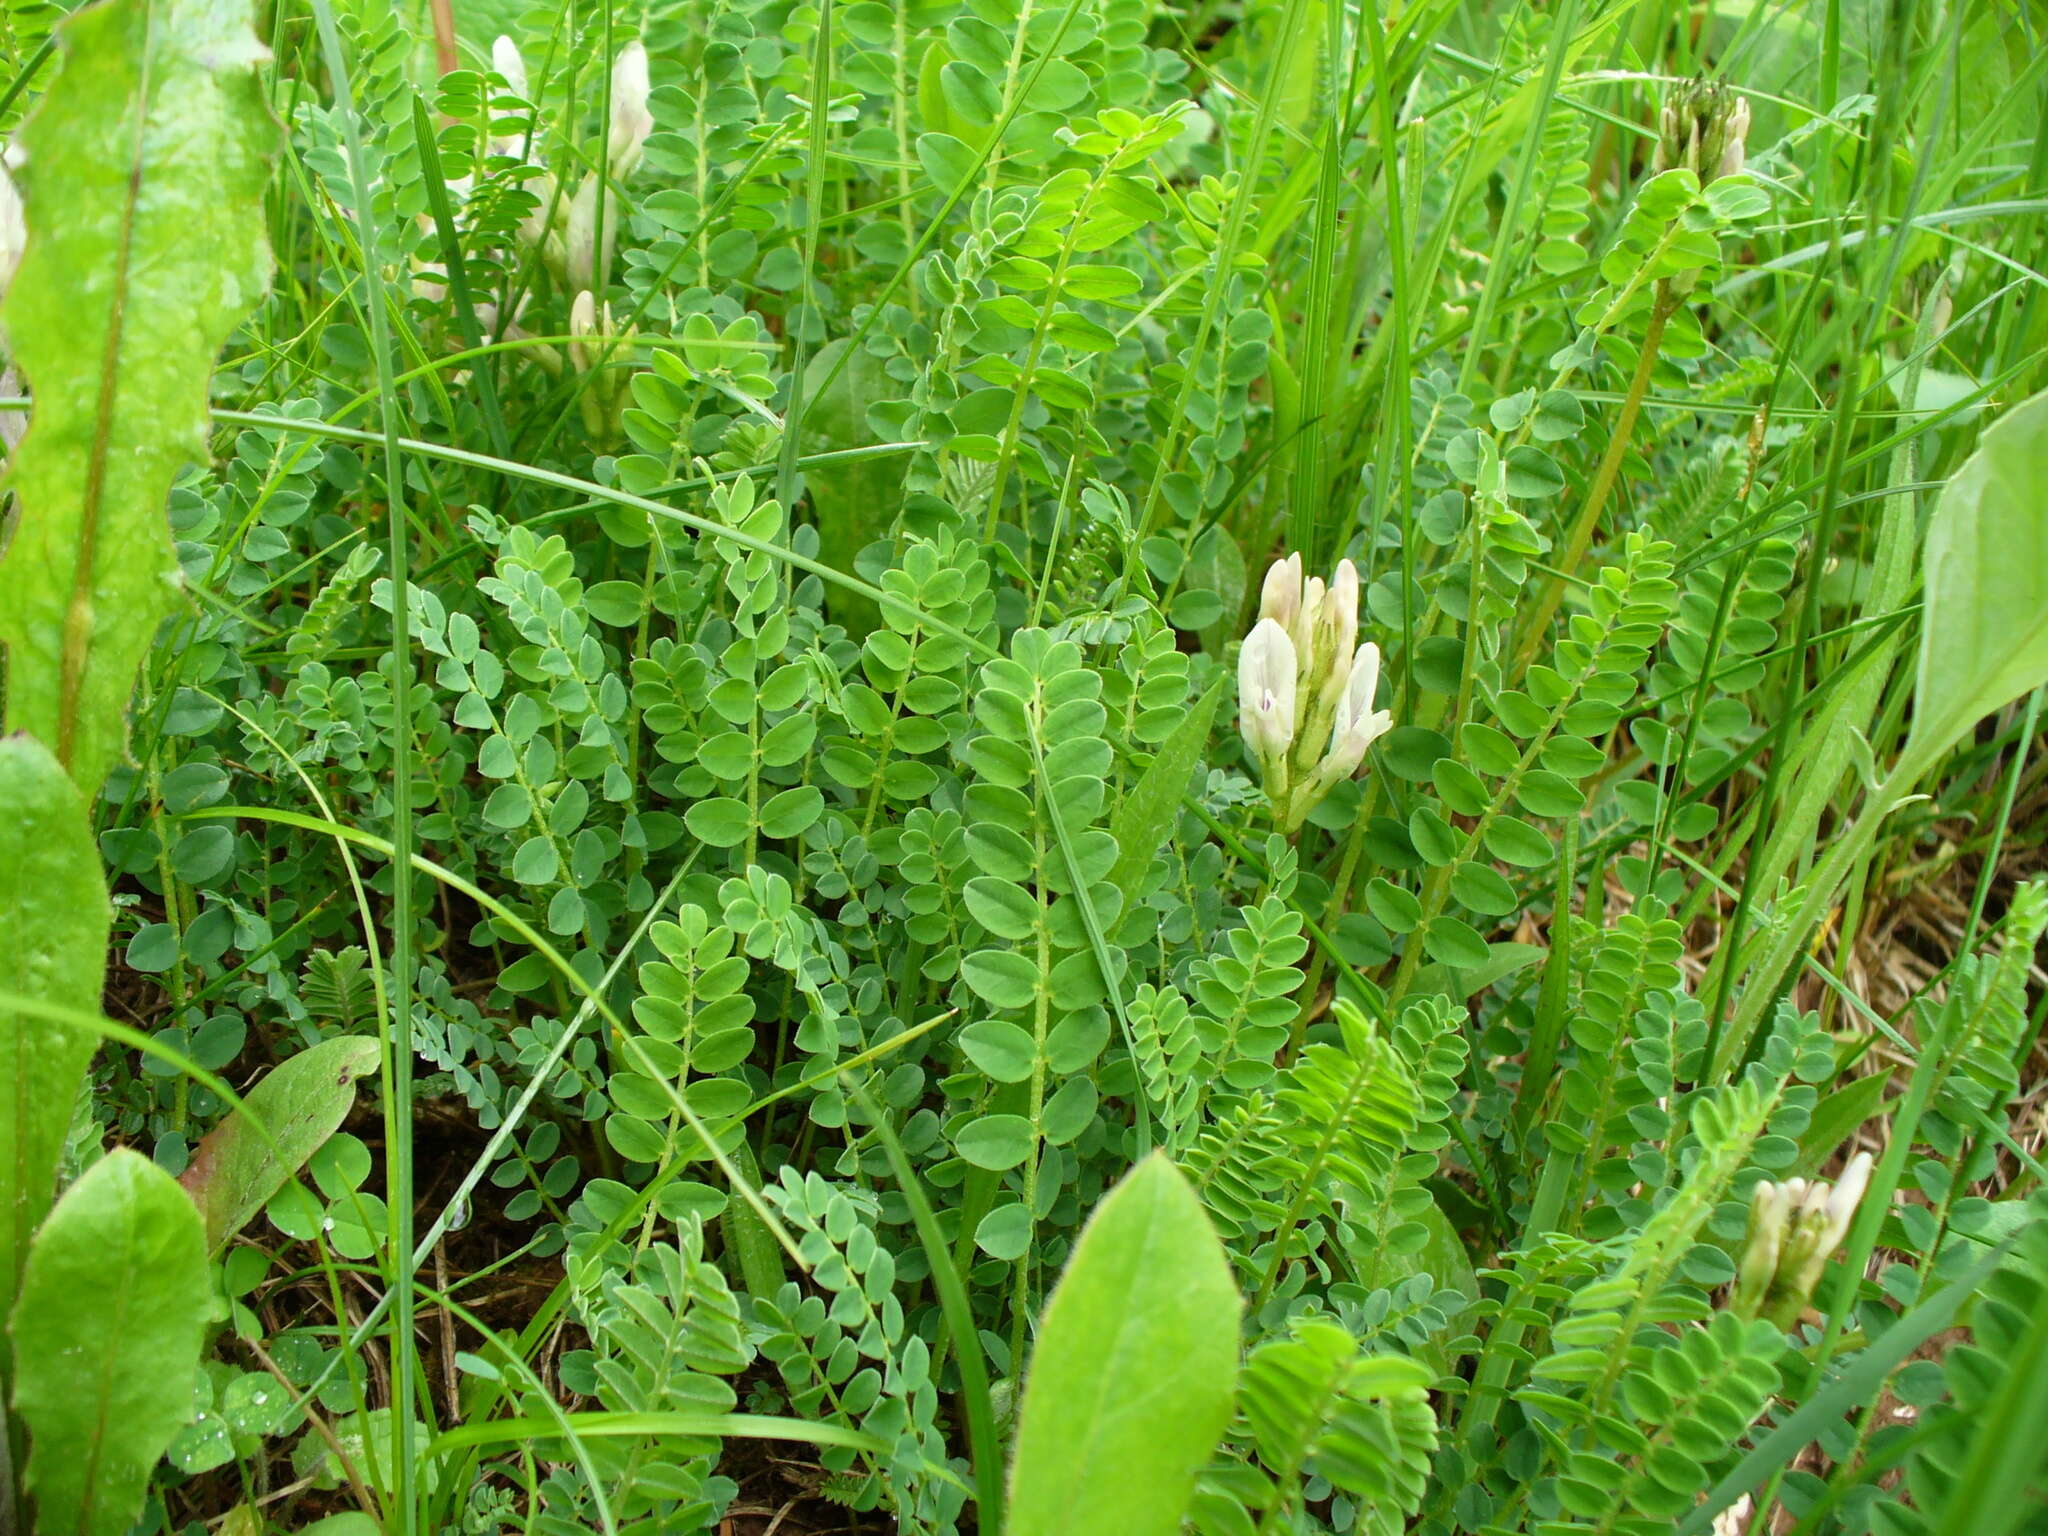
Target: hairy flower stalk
<point>1305,688</point>
<point>1794,1228</point>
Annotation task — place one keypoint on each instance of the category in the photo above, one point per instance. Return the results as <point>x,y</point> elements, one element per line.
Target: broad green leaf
<point>106,1342</point>
<point>145,247</point>
<point>1135,1372</point>
<point>1144,819</point>
<point>350,1523</point>
<point>1002,977</point>
<point>301,1103</point>
<point>365,1438</point>
<point>53,947</point>
<point>995,1141</point>
<point>1984,634</point>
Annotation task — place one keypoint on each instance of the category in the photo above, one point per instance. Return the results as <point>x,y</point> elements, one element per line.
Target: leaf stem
<point>1662,308</point>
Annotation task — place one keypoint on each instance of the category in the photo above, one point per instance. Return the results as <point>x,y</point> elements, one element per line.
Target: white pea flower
<point>1769,1205</point>
<point>13,241</point>
<point>587,256</point>
<point>510,66</point>
<point>1843,1200</point>
<point>1266,694</point>
<point>1358,724</point>
<point>587,252</point>
<point>631,121</point>
<point>506,61</point>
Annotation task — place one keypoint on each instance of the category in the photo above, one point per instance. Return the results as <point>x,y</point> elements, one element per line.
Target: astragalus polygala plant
<point>1054,767</point>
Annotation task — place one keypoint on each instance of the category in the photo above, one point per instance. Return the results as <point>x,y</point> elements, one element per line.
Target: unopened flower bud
<point>1303,630</point>
<point>1337,631</point>
<point>582,326</point>
<point>1280,597</point>
<point>593,346</point>
<point>1735,151</point>
<point>1769,1204</point>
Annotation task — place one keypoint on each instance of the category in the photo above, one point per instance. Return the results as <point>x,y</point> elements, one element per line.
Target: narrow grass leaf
<point>1145,817</point>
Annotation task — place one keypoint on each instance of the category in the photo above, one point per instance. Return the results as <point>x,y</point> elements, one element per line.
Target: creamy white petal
<point>1265,685</point>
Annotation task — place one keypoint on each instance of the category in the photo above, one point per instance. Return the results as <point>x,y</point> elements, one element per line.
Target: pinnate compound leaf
<point>235,1170</point>
<point>53,947</point>
<point>1984,634</point>
<point>106,1342</point>
<point>1136,1368</point>
<point>147,163</point>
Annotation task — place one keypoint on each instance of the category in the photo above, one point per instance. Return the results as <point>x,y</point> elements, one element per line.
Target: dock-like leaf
<point>147,162</point>
<point>301,1103</point>
<point>1135,1372</point>
<point>106,1342</point>
<point>53,948</point>
<point>1984,634</point>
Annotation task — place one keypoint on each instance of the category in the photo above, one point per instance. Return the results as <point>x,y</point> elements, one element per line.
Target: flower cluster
<point>1793,1229</point>
<point>1305,688</point>
<point>1705,127</point>
<point>575,242</point>
<point>578,248</point>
